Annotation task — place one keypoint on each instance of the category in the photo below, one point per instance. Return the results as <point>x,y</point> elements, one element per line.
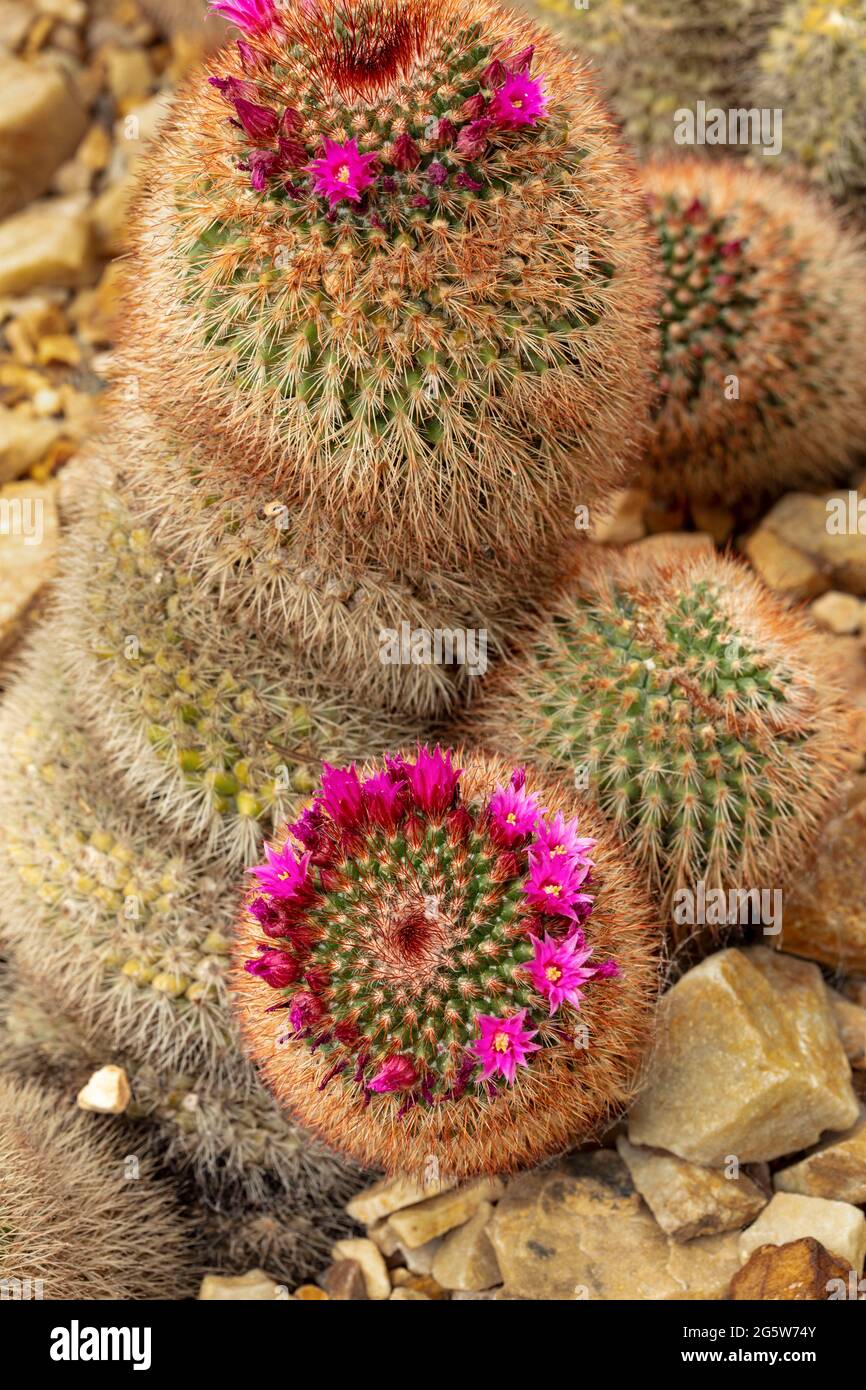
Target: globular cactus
<point>813,67</point>
<point>658,57</point>
<point>699,713</point>
<point>73,1225</point>
<point>393,261</point>
<point>438,966</point>
<point>763,373</point>
<point>220,728</point>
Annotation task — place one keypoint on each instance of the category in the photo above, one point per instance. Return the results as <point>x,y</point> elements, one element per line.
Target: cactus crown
<point>406,938</point>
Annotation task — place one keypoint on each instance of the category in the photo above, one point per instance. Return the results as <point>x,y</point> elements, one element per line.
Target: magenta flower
<point>283,874</point>
<point>263,165</point>
<point>432,780</point>
<point>519,101</point>
<point>259,122</point>
<point>342,172</point>
<point>250,16</point>
<point>504,1045</point>
<point>396,1074</point>
<point>559,837</point>
<point>273,966</point>
<point>340,795</point>
<point>559,968</point>
<point>514,813</point>
<point>553,885</point>
<point>382,797</point>
<point>305,1012</point>
<point>308,827</point>
<point>472,140</point>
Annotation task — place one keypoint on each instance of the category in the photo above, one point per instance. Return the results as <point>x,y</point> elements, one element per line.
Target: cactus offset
<point>814,67</point>
<point>71,1218</point>
<point>443,968</point>
<point>701,714</point>
<point>763,376</point>
<point>412,352</point>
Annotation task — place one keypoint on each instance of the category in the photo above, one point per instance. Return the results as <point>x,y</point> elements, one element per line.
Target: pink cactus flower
<point>559,838</point>
<point>275,967</point>
<point>250,16</point>
<point>553,885</point>
<point>305,1012</point>
<point>340,795</point>
<point>514,814</point>
<point>263,165</point>
<point>396,1074</point>
<point>342,172</point>
<point>559,968</point>
<point>282,875</point>
<point>383,797</point>
<point>432,779</point>
<point>504,1045</point>
<point>519,101</point>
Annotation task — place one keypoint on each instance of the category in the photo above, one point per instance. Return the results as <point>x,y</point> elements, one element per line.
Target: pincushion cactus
<point>434,965</point>
<point>402,337</point>
<point>813,66</point>
<point>763,375</point>
<point>72,1225</point>
<point>700,714</point>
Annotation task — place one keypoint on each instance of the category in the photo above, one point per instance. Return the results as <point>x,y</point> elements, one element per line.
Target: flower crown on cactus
<point>427,940</point>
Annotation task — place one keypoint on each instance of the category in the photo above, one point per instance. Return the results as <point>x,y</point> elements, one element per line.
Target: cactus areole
<point>424,946</point>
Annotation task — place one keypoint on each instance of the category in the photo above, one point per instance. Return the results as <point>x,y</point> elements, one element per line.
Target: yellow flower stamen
<point>553,973</point>
<point>554,889</point>
<point>501,1042</point>
<point>342,175</point>
<point>511,818</point>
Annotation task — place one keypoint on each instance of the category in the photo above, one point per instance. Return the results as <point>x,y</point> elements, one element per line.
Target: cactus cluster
<point>813,66</point>
<point>763,372</point>
<point>698,712</point>
<point>433,963</point>
<point>73,1224</point>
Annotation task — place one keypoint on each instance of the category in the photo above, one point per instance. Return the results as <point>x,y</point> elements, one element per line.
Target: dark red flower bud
<point>259,122</point>
<point>406,154</point>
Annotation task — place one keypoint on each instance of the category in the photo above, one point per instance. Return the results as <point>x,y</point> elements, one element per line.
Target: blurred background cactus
<point>698,713</point>
<point>813,66</point>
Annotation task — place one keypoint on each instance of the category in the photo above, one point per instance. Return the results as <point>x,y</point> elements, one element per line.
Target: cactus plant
<point>411,353</point>
<point>444,968</point>
<point>700,714</point>
<point>72,1225</point>
<point>813,66</point>
<point>763,374</point>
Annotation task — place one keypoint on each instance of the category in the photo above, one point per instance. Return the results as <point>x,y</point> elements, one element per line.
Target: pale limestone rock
<point>688,1200</point>
<point>409,1296</point>
<point>107,1092</point>
<point>41,121</point>
<point>748,1062</point>
<point>46,244</point>
<point>24,441</point>
<point>466,1259</point>
<point>850,1020</point>
<point>580,1231</point>
<point>825,911</point>
<point>129,73</point>
<point>373,1266</point>
<point>839,1227</point>
<point>420,1260</point>
<point>414,1226</point>
<point>109,215</point>
<point>805,523</point>
<point>837,612</point>
<point>15,20</point>
<point>801,1270</point>
<point>254,1286</point>
<point>678,542</point>
<point>390,1194</point>
<point>784,568</point>
<point>621,521</point>
<point>28,552</point>
<point>835,1169</point>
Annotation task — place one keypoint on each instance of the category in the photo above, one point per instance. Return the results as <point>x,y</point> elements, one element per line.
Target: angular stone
<point>837,612</point>
<point>825,912</point>
<point>46,244</point>
<point>421,1283</point>
<point>580,1231</point>
<point>797,1271</point>
<point>679,542</point>
<point>24,441</point>
<point>28,552</point>
<point>621,520</point>
<point>801,521</point>
<point>343,1282</point>
<point>835,1169</point>
<point>420,1260</point>
<point>850,1021</point>
<point>783,568</point>
<point>748,1063</point>
<point>310,1293</point>
<point>839,1227</point>
<point>41,121</point>
<point>254,1286</point>
<point>372,1265</point>
<point>688,1200</point>
<point>414,1226</point>
<point>107,1092</point>
<point>466,1259</point>
<point>390,1194</point>
<point>409,1296</point>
